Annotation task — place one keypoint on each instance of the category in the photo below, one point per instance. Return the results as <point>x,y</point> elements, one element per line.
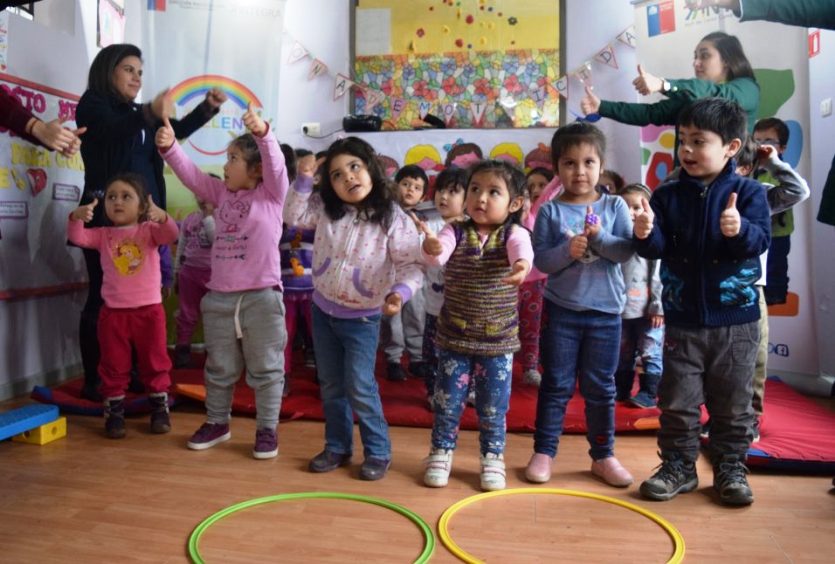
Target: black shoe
<point>160,419</point>
<point>395,372</point>
<point>114,422</point>
<point>730,481</point>
<point>674,476</point>
<point>418,369</point>
<point>327,461</point>
<point>374,468</point>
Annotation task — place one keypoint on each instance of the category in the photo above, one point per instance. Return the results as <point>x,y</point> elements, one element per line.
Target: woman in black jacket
<point>120,138</point>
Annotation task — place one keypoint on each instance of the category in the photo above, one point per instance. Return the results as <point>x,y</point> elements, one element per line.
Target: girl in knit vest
<point>486,258</point>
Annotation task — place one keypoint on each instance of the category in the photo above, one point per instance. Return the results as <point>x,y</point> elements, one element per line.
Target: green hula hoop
<point>197,533</point>
<point>443,524</point>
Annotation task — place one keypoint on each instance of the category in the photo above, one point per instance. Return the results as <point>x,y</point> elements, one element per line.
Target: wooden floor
<point>89,499</point>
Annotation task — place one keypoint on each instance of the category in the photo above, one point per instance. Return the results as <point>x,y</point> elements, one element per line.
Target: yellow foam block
<point>44,434</point>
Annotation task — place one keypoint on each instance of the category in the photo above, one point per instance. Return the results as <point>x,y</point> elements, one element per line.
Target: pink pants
<point>530,321</point>
<point>296,304</point>
<point>192,287</point>
<point>142,328</point>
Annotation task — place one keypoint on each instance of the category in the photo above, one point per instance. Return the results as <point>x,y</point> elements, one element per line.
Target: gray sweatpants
<point>714,366</point>
<point>404,331</point>
<point>244,329</point>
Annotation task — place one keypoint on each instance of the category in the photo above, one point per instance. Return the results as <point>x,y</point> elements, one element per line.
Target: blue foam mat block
<point>26,418</point>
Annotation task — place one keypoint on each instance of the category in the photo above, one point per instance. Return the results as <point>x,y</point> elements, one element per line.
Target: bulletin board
<point>472,63</point>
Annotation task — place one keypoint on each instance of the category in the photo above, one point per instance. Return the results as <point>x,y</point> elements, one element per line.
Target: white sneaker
<point>438,466</point>
<point>492,472</point>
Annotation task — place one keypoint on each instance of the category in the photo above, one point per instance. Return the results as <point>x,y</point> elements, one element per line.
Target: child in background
<point>530,292</point>
<point>404,331</point>
<point>642,329</point>
<point>192,270</point>
<point>580,239</point>
<point>296,247</point>
<point>366,257</point>
<point>305,162</point>
<point>132,315</point>
<point>485,259</point>
<point>708,227</point>
<point>450,189</point>
<point>611,182</point>
<point>791,189</point>
<point>243,313</point>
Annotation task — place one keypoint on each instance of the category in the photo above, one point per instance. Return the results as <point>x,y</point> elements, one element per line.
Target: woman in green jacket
<point>722,70</point>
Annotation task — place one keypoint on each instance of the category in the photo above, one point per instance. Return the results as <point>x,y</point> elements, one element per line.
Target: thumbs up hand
<point>647,83</point>
<point>590,104</point>
<point>592,223</point>
<point>729,222</point>
<point>253,122</point>
<point>155,213</point>
<point>85,213</point>
<point>165,135</point>
<point>644,221</point>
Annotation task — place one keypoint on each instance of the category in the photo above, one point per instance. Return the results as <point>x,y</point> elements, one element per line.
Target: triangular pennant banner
<point>477,110</point>
<point>627,36</point>
<point>317,67</point>
<point>562,86</point>
<point>341,86</point>
<point>372,98</point>
<point>424,109</point>
<point>606,56</point>
<point>538,94</point>
<point>397,106</point>
<point>584,73</point>
<point>449,112</point>
<point>297,52</point>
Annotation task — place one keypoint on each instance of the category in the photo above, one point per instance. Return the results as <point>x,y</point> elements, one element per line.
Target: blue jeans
<point>639,339</point>
<point>584,344</point>
<point>346,352</point>
<point>492,376</point>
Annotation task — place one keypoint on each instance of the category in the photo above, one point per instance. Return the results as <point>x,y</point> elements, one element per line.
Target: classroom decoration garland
<point>426,530</point>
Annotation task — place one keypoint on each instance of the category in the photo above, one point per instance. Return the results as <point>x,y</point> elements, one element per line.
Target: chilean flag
<point>156,5</point>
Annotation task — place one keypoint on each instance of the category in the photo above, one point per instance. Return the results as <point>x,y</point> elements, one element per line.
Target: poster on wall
<point>664,48</point>
<point>193,47</point>
<point>111,22</point>
<point>38,190</point>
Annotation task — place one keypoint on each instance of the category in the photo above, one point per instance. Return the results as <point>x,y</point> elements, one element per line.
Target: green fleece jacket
<point>805,13</point>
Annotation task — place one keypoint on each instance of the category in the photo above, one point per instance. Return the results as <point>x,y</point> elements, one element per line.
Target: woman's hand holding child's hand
<point>520,271</point>
<point>165,135</point>
<point>393,304</point>
<point>155,213</point>
<point>85,213</point>
<point>253,122</point>
<point>644,221</point>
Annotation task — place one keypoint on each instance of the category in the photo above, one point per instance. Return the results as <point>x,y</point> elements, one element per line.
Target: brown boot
<point>114,413</point>
<point>160,421</point>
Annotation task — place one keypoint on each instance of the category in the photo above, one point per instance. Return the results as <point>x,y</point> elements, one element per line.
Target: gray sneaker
<point>674,476</point>
<point>729,480</point>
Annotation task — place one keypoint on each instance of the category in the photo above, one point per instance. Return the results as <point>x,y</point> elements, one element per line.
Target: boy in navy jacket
<point>708,227</point>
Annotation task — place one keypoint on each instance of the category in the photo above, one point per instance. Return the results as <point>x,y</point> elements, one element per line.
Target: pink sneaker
<point>539,468</point>
<point>612,472</point>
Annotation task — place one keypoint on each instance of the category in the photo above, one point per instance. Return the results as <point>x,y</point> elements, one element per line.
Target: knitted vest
<point>479,316</point>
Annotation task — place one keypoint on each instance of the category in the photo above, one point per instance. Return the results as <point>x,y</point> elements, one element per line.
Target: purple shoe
<point>266,444</point>
<point>208,435</point>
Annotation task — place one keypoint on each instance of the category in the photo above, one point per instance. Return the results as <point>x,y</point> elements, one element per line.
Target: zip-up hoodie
<point>708,278</point>
<point>356,263</point>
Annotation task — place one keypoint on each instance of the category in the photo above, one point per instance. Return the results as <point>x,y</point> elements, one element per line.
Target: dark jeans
<point>777,270</point>
<point>584,345</point>
<point>714,366</point>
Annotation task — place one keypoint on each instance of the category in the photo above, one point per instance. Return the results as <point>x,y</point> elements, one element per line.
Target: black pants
<point>88,326</point>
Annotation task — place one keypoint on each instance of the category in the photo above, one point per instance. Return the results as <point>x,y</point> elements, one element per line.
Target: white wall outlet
<point>826,107</point>
<point>311,129</point>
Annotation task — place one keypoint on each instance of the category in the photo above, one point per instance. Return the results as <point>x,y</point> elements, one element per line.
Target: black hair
<point>732,54</point>
<point>513,178</point>
<point>541,171</point>
<point>136,182</point>
<point>635,188</point>
<point>321,154</point>
<point>301,153</point>
<point>412,171</point>
<point>617,178</point>
<point>777,125</point>
<point>377,207</point>
<point>290,162</point>
<point>451,176</point>
<point>577,133</point>
<point>747,155</point>
<point>723,117</point>
<point>100,77</point>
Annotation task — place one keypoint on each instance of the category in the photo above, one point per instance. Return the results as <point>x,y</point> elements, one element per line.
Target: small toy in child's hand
<point>592,219</point>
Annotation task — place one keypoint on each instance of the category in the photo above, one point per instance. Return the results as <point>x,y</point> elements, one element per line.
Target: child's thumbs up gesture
<point>165,135</point>
<point>590,104</point>
<point>592,223</point>
<point>431,244</point>
<point>729,222</point>
<point>253,122</point>
<point>644,221</point>
<point>85,213</point>
<point>155,213</point>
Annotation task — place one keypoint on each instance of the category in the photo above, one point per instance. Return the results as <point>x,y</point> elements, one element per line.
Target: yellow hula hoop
<point>443,523</point>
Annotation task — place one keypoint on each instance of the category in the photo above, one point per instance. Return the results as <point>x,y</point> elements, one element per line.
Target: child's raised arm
<point>273,169</point>
<point>204,186</point>
<point>87,238</point>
